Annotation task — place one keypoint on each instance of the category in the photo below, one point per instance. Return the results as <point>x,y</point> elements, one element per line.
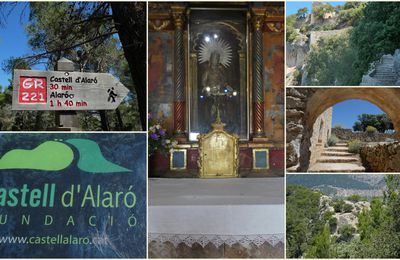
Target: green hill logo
<point>58,155</point>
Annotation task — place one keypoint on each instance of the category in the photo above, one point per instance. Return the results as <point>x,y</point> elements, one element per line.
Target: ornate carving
<point>258,14</point>
<point>258,89</point>
<point>275,10</point>
<point>218,153</point>
<point>159,25</point>
<point>157,7</point>
<point>178,13</point>
<point>179,117</point>
<point>275,26</point>
<point>258,119</point>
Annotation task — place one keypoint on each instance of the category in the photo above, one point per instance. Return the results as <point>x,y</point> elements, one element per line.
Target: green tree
<point>329,61</point>
<point>302,219</point>
<point>381,122</point>
<point>376,33</point>
<point>302,13</point>
<point>85,32</point>
<point>291,33</point>
<point>320,9</point>
<point>323,246</point>
<point>346,232</point>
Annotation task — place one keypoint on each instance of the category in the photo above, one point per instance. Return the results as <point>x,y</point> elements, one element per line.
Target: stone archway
<point>304,105</point>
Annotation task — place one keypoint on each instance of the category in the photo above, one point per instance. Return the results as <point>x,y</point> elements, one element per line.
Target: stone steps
<point>328,153</point>
<point>337,159</point>
<point>336,167</point>
<point>384,71</point>
<point>336,149</point>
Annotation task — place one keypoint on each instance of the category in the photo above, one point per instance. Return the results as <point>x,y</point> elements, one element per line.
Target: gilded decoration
<point>218,153</point>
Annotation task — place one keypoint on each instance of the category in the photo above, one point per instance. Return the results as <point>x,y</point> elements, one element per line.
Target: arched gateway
<point>305,105</point>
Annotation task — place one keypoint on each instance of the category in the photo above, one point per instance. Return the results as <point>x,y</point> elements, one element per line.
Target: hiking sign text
<point>59,90</point>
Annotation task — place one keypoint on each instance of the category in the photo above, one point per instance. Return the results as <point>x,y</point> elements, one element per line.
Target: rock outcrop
<point>381,157</point>
<point>296,54</point>
<point>385,72</point>
<point>343,218</point>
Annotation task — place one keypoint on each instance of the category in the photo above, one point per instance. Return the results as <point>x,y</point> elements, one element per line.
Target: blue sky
<point>13,39</point>
<point>345,113</point>
<point>292,7</point>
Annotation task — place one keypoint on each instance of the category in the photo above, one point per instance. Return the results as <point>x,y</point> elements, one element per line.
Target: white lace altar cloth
<point>217,240</point>
<point>229,211</point>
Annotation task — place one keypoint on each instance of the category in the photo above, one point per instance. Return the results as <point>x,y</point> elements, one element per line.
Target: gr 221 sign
<point>57,90</point>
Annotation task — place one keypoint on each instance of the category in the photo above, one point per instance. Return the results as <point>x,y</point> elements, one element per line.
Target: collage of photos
<point>342,78</point>
<point>198,129</point>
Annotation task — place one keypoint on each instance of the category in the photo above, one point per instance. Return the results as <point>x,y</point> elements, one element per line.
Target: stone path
<point>337,159</point>
<point>384,71</point>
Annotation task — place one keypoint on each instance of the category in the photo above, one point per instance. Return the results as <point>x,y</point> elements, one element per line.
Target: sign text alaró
<point>57,90</point>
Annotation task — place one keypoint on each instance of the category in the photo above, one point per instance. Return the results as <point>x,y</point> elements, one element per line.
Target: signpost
<point>63,90</point>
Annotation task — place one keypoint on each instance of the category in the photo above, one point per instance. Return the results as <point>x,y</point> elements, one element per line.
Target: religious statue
<point>213,81</point>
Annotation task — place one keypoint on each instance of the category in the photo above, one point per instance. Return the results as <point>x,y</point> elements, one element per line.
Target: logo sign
<point>57,90</point>
<point>32,90</point>
<point>73,195</point>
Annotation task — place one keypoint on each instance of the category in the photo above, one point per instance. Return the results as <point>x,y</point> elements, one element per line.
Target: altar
<point>217,61</point>
<point>236,218</point>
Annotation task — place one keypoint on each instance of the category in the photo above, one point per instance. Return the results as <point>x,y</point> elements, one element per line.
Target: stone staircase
<point>337,159</point>
<point>384,71</point>
<point>383,74</point>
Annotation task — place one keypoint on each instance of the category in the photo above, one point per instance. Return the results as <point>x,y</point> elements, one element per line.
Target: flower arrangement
<point>158,138</point>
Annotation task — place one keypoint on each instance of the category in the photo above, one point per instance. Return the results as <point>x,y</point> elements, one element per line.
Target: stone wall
<point>296,102</point>
<point>348,134</point>
<point>321,133</point>
<point>316,35</point>
<point>381,157</point>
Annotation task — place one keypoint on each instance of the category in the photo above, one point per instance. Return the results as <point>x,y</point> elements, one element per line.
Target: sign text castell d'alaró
<point>95,197</point>
<point>57,90</point>
<point>73,195</point>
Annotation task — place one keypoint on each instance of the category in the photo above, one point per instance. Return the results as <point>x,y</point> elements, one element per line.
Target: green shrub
<point>347,208</point>
<point>332,222</point>
<point>371,130</point>
<point>338,126</point>
<point>332,140</point>
<point>338,206</point>
<point>346,232</point>
<point>355,198</point>
<point>355,146</point>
